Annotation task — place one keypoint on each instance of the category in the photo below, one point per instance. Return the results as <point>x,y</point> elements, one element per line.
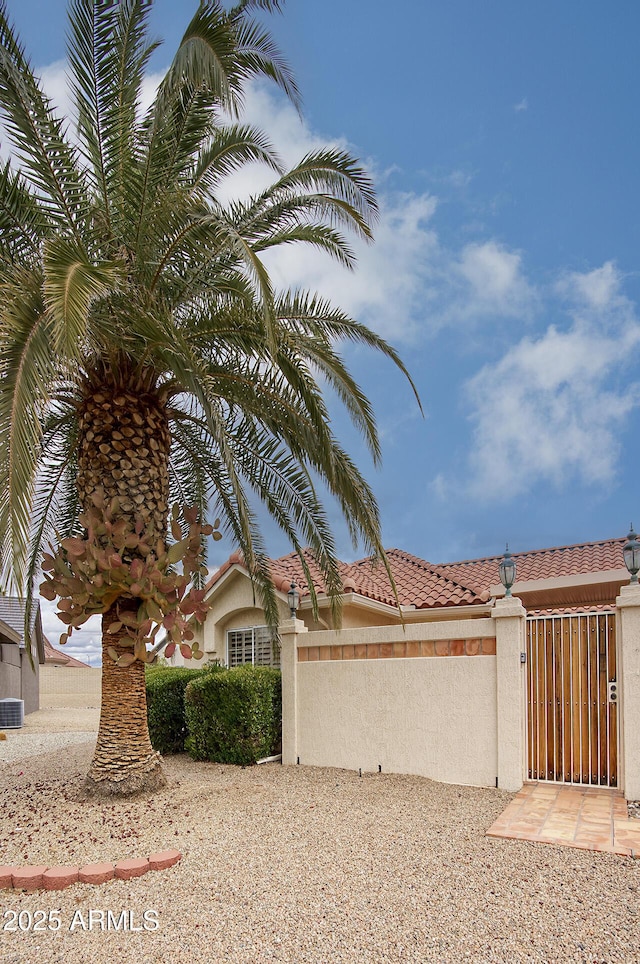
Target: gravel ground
<point>297,864</point>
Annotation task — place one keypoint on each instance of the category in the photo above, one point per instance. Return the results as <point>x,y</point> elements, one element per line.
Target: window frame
<point>252,641</point>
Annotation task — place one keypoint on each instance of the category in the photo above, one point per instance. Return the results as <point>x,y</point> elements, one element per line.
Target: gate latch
<point>613,691</point>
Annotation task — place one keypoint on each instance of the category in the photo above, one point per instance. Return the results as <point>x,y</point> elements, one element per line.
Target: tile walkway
<point>590,818</point>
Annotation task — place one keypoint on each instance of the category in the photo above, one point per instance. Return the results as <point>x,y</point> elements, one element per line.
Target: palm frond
<point>317,316</point>
<point>108,55</point>
<point>337,176</point>
<point>22,225</point>
<point>56,504</point>
<point>27,372</point>
<point>71,284</point>
<point>259,56</point>
<point>205,58</point>
<point>230,149</point>
<point>48,160</point>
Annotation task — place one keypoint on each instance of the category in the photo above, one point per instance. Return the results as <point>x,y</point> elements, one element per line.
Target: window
<point>255,645</point>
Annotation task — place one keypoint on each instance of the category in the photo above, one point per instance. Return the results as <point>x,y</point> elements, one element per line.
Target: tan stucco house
<point>460,683</point>
<point>563,578</point>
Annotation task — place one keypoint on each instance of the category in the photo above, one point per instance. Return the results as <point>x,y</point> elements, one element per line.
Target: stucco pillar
<point>289,632</point>
<point>628,619</point>
<point>509,615</point>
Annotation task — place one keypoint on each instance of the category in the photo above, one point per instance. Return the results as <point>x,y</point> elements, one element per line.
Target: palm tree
<point>145,357</point>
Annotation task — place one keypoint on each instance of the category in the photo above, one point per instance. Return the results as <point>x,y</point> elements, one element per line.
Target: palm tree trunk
<point>124,450</point>
<point>124,761</point>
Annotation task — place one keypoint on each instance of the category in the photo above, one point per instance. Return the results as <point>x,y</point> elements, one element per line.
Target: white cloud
<point>596,290</point>
<point>54,82</point>
<point>521,105</point>
<point>439,486</point>
<point>496,284</point>
<point>387,290</point>
<point>550,408</point>
<point>407,283</point>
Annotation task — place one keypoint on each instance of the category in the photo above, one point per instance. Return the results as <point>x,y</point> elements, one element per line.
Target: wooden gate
<point>572,723</point>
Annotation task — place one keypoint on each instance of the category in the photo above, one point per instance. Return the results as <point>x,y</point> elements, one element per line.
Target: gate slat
<point>567,717</point>
<point>603,775</point>
<point>584,702</point>
<point>540,756</point>
<point>549,702</point>
<point>594,714</point>
<point>530,701</point>
<point>558,766</point>
<point>576,656</point>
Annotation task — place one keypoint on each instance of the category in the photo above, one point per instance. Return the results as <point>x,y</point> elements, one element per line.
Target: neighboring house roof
<point>426,585</point>
<point>12,612</point>
<point>55,657</point>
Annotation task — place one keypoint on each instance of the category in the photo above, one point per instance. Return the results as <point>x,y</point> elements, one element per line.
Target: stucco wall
<point>432,715</point>
<point>68,686</point>
<point>435,717</point>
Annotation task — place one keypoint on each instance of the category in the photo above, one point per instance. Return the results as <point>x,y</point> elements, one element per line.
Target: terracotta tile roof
<point>288,569</point>
<point>56,656</point>
<point>285,570</point>
<point>418,583</point>
<point>425,585</point>
<point>540,563</point>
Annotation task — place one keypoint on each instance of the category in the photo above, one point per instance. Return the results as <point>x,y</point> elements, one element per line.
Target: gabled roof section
<point>418,583</point>
<point>288,569</point>
<point>284,571</point>
<point>9,635</point>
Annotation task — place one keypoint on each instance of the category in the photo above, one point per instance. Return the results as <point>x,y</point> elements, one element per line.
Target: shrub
<point>234,716</point>
<point>165,705</point>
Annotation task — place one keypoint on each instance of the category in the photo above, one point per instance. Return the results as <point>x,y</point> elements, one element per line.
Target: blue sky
<point>503,140</point>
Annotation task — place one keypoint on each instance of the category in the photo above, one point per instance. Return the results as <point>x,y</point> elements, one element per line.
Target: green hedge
<point>234,716</point>
<point>165,705</point>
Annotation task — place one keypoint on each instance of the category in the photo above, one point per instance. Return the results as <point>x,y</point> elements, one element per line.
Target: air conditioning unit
<point>11,714</point>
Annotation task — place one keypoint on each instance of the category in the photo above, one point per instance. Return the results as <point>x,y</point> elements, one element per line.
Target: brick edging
<point>42,877</point>
<point>485,646</point>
